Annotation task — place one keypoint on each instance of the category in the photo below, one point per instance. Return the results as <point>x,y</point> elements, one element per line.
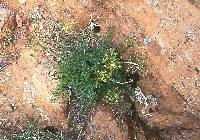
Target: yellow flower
<point>66,26</point>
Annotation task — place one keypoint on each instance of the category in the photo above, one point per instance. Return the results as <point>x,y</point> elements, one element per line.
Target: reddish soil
<point>26,92</point>
<point>104,127</point>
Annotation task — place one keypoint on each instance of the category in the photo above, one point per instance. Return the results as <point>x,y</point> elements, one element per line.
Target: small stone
<point>3,64</point>
<point>146,41</point>
<point>85,2</point>
<point>22,1</point>
<point>189,35</point>
<point>197,69</point>
<point>6,108</point>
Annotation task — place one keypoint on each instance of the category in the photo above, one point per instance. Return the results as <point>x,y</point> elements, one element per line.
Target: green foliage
<point>139,59</point>
<point>109,34</point>
<point>33,133</point>
<point>93,74</point>
<point>7,37</point>
<point>35,39</point>
<point>131,41</point>
<point>65,26</point>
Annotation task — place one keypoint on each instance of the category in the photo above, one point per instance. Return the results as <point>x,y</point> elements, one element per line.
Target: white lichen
<point>145,101</point>
<point>28,88</point>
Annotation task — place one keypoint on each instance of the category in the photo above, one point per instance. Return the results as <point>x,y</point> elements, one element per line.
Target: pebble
<point>146,41</point>
<point>3,64</point>
<point>22,1</point>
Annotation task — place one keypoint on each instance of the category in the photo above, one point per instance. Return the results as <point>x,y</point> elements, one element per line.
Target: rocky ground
<point>168,32</point>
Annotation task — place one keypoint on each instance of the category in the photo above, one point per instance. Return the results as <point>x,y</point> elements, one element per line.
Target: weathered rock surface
<point>173,53</point>
<point>7,18</point>
<point>7,25</point>
<point>25,93</point>
<point>172,56</point>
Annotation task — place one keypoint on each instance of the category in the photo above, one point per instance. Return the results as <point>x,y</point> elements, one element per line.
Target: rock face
<point>195,2</point>
<point>172,50</point>
<point>4,13</point>
<point>174,61</point>
<point>172,56</point>
<point>25,93</point>
<point>170,30</point>
<point>7,18</point>
<point>7,25</point>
